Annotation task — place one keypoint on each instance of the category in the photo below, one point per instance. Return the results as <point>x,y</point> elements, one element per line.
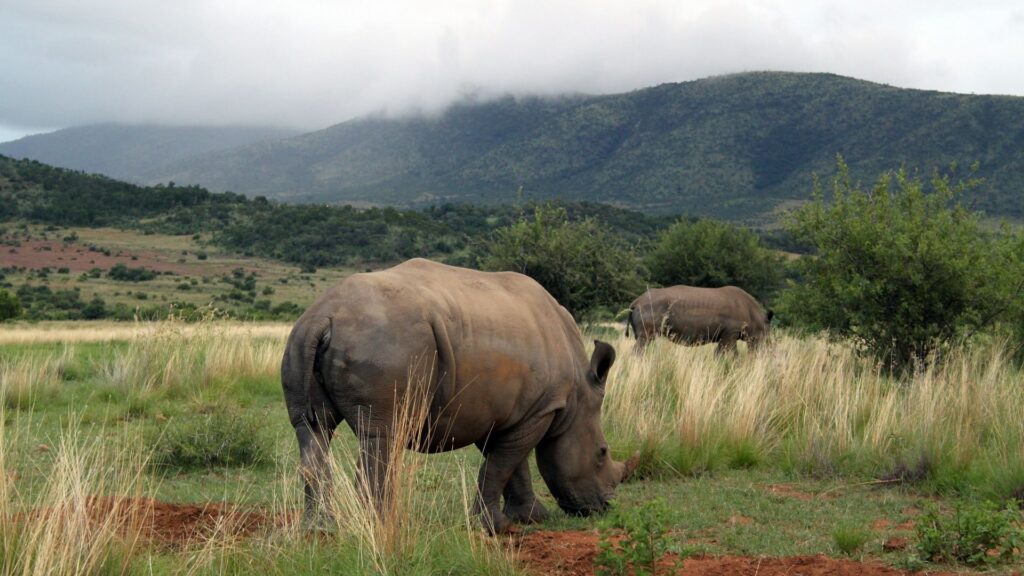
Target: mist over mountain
<point>130,151</point>
<point>737,146</point>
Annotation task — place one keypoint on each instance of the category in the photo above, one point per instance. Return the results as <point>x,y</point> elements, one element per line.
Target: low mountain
<point>133,152</point>
<point>736,146</point>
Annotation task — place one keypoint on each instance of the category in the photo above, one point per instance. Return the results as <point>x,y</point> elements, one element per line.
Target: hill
<point>312,235</point>
<point>130,152</point>
<point>734,146</point>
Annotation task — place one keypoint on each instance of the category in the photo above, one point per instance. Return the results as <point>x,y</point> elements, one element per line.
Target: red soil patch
<point>881,525</point>
<point>172,525</point>
<point>895,543</point>
<point>789,491</point>
<point>177,524</point>
<point>573,553</point>
<point>37,254</point>
<point>741,520</point>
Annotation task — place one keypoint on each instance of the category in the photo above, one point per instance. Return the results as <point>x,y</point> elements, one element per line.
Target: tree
<point>95,309</point>
<point>712,253</point>
<point>586,268</point>
<point>900,270</point>
<point>9,306</point>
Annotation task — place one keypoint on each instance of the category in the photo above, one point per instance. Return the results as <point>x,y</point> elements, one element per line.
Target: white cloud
<point>313,63</point>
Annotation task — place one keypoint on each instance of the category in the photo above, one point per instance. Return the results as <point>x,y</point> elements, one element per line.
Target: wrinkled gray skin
<point>694,316</point>
<point>505,368</point>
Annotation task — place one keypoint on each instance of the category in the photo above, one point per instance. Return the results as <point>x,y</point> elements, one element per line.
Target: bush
<point>712,254</point>
<point>221,438</point>
<point>95,309</point>
<point>10,307</point>
<point>586,268</point>
<point>975,534</point>
<point>126,274</point>
<point>901,271</point>
<point>641,532</point>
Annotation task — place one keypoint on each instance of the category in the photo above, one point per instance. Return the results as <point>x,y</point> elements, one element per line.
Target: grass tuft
<point>221,438</point>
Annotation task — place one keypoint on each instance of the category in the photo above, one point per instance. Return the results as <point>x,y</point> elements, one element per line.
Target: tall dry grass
<point>394,522</point>
<point>818,407</point>
<point>427,521</point>
<point>186,359</point>
<point>83,521</point>
<point>28,378</point>
<point>420,520</point>
<point>107,331</point>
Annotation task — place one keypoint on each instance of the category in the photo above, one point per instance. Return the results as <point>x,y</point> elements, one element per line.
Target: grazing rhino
<point>504,368</point>
<point>694,316</point>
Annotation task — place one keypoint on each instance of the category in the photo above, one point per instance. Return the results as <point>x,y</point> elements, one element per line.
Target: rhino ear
<point>601,362</point>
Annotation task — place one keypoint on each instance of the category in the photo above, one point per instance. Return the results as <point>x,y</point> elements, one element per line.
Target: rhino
<point>694,316</point>
<point>502,365</point>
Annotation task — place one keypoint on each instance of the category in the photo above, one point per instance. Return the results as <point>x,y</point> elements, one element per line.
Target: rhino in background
<point>695,316</point>
<point>507,372</point>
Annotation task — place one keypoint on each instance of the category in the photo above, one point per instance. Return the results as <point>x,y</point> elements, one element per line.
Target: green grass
<point>725,493</point>
<point>286,282</point>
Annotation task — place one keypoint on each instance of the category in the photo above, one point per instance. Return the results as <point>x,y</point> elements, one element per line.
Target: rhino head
<point>576,464</point>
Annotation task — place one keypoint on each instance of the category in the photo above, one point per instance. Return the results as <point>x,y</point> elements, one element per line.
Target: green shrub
<point>975,534</point>
<point>10,307</point>
<point>712,254</point>
<point>221,438</point>
<point>642,541</point>
<point>901,271</point>
<point>126,274</point>
<point>584,266</point>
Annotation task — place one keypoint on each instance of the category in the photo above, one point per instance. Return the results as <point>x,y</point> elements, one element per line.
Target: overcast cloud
<point>310,64</point>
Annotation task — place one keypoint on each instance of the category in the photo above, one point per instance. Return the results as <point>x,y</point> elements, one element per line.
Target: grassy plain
<point>191,270</point>
<point>772,454</point>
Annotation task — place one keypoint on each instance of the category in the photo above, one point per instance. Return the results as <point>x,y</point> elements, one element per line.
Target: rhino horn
<point>629,466</point>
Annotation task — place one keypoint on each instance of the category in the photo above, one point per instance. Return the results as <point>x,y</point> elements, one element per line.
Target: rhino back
<point>495,348</point>
<point>701,309</point>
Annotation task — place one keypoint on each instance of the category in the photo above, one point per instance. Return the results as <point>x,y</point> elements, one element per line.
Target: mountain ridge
<point>127,151</point>
<point>736,146</point>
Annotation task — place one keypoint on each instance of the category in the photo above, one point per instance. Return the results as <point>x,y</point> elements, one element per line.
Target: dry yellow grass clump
<point>809,404</point>
<point>105,331</point>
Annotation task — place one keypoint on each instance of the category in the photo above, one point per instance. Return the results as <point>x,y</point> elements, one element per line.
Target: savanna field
<point>164,448</point>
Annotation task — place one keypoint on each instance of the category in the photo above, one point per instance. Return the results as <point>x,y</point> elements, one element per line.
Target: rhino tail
<point>306,345</point>
<point>629,322</point>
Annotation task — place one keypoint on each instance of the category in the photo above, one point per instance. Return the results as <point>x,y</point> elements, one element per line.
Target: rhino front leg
<point>521,504</point>
<point>727,343</point>
<point>504,455</point>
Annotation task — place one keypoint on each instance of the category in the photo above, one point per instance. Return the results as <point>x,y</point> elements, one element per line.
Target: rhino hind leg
<point>373,474</point>
<point>314,444</point>
<point>641,345</point>
<point>521,504</point>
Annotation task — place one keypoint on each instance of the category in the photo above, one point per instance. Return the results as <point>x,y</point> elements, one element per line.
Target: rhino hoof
<point>318,524</point>
<point>527,514</point>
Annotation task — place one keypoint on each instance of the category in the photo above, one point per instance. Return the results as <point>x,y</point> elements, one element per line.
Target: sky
<point>310,64</point>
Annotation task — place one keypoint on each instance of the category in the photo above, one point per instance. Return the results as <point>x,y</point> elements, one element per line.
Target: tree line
<point>899,267</point>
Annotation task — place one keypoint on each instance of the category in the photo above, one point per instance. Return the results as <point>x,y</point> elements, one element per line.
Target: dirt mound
<point>573,553</point>
<point>168,524</point>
